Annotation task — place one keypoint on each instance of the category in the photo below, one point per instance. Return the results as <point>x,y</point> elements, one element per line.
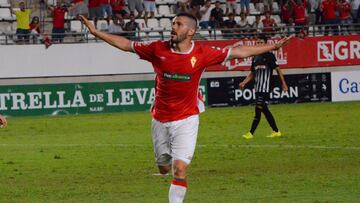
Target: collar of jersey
<point>188,52</point>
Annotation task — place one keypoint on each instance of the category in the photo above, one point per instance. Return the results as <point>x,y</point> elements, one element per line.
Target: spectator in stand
<point>22,23</point>
<point>136,5</point>
<point>106,9</point>
<point>118,8</point>
<point>244,25</point>
<point>344,8</point>
<point>117,26</point>
<point>150,7</point>
<point>315,13</point>
<point>77,8</point>
<point>229,26</point>
<point>95,12</point>
<point>231,7</point>
<point>35,29</point>
<point>245,4</point>
<point>205,12</point>
<point>131,27</point>
<point>58,30</point>
<point>329,9</point>
<point>286,12</point>
<point>290,27</point>
<point>182,6</point>
<point>269,24</point>
<point>299,14</point>
<point>355,10</point>
<point>268,6</point>
<point>197,3</point>
<point>257,26</point>
<point>217,14</point>
<point>195,11</point>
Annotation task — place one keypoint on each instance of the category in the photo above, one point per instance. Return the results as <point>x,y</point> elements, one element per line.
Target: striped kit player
<point>262,68</point>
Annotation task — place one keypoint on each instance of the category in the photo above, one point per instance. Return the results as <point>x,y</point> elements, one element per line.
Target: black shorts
<point>262,98</point>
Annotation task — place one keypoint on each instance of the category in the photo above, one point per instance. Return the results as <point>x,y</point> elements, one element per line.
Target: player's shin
<point>177,190</point>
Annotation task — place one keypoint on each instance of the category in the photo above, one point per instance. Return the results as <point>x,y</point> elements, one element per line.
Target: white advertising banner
<point>345,86</point>
<point>18,61</point>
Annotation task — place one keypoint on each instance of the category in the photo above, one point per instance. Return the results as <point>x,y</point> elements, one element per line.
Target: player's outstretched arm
<point>117,41</point>
<point>3,122</point>
<point>247,51</point>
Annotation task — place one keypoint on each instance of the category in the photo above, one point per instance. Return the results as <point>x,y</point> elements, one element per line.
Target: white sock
<point>177,191</point>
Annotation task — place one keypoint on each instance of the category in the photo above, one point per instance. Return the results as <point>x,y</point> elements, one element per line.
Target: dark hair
<point>188,15</point>
<point>263,37</point>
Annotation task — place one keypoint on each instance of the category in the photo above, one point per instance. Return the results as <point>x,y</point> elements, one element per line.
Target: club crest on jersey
<point>193,61</point>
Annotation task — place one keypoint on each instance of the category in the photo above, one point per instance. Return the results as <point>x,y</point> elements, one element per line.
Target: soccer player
<point>261,70</point>
<point>3,121</point>
<point>178,64</point>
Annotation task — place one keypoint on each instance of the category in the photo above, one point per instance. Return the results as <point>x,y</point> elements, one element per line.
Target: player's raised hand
<point>284,41</point>
<point>88,24</point>
<point>3,122</point>
<point>285,88</point>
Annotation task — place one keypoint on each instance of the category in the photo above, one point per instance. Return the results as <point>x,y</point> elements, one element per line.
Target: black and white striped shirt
<point>262,66</point>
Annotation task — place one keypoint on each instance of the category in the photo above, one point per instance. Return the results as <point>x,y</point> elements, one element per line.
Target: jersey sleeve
<point>252,68</point>
<point>216,55</point>
<point>272,61</point>
<point>145,50</point>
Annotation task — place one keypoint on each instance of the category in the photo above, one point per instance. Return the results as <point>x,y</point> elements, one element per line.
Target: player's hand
<point>88,24</point>
<point>285,88</point>
<point>3,122</point>
<point>284,41</point>
<point>242,85</point>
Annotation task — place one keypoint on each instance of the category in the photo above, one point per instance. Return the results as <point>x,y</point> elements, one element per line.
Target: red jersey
<point>344,10</point>
<point>77,1</point>
<point>59,18</point>
<point>117,5</point>
<point>329,9</point>
<point>268,24</point>
<point>177,77</point>
<point>299,14</point>
<point>94,3</point>
<point>104,2</point>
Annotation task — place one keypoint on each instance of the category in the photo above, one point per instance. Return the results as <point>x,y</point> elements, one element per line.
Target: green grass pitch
<point>109,157</point>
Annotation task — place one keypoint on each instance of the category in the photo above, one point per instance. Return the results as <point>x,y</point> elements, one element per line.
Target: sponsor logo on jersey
<point>176,76</point>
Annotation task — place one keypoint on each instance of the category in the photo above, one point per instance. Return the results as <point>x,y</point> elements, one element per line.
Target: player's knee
<point>179,170</point>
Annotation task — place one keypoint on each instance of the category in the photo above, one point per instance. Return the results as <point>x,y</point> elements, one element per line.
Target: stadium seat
<point>103,25</point>
<point>160,2</point>
<point>275,6</point>
<point>253,10</point>
<point>165,23</point>
<point>277,19</point>
<point>76,26</point>
<point>5,14</point>
<point>251,19</point>
<point>141,23</point>
<point>260,7</point>
<point>4,3</point>
<point>164,10</point>
<point>153,24</point>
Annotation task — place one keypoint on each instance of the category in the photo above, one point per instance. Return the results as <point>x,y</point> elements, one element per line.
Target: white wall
<point>17,61</point>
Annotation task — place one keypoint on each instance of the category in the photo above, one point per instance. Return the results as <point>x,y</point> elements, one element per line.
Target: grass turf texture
<point>109,157</point>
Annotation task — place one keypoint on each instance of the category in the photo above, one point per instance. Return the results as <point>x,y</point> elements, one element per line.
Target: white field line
<point>127,145</point>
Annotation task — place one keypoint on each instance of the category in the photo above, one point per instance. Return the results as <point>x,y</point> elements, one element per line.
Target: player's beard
<point>177,38</point>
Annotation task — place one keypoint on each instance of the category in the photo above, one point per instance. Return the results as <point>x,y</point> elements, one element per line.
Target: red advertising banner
<point>324,51</point>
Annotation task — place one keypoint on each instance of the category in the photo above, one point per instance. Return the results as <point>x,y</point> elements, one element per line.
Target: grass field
<point>109,157</point>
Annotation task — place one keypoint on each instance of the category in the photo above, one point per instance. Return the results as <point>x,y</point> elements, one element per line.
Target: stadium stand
<point>156,27</point>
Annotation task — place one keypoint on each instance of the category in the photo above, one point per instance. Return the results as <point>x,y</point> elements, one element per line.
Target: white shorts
<point>175,140</point>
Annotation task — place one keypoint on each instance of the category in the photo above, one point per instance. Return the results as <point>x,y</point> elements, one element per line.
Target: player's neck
<point>183,46</point>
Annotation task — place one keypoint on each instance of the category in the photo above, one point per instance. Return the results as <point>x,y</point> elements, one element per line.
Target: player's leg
<point>271,120</point>
<point>258,109</point>
<point>161,143</point>
<point>183,140</point>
